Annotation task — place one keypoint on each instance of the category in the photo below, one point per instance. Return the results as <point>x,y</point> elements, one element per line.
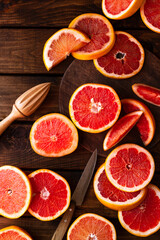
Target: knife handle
<point>64,223</point>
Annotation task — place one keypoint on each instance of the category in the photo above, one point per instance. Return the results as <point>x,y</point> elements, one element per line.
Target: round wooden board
<point>81,72</point>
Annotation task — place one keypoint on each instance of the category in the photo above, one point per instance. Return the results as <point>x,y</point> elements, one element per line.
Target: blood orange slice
<point>94,107</point>
<point>91,226</point>
<point>15,192</point>
<point>111,196</point>
<point>124,60</point>
<point>51,195</point>
<point>53,135</point>
<point>100,32</point>
<point>147,93</point>
<point>120,9</point>
<point>120,129</point>
<point>146,123</point>
<point>129,167</point>
<point>143,220</point>
<point>61,44</point>
<point>14,232</point>
<point>150,14</point>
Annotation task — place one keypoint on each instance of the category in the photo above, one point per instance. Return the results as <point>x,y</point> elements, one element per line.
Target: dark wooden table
<point>24,28</point>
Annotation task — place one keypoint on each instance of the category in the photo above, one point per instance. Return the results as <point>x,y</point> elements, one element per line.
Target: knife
<point>77,197</point>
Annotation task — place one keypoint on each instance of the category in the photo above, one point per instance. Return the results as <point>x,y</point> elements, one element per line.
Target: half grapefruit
<point>14,233</point>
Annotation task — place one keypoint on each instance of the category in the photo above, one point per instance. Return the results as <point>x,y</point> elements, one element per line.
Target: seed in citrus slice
<point>100,32</point>
<point>53,135</point>
<point>94,107</point>
<point>150,14</point>
<point>120,9</point>
<point>14,233</point>
<point>143,220</point>
<point>51,195</point>
<point>147,93</point>
<point>146,123</point>
<point>124,60</point>
<point>120,129</point>
<point>129,167</point>
<point>91,226</point>
<point>111,196</point>
<point>61,44</point>
<point>15,192</point>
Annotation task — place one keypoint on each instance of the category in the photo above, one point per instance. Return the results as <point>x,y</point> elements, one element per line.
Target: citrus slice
<point>14,232</point>
<point>129,167</point>
<point>100,32</point>
<point>61,44</point>
<point>147,93</point>
<point>120,129</point>
<point>111,196</point>
<point>143,220</point>
<point>91,226</point>
<point>51,195</point>
<point>15,192</point>
<point>146,123</point>
<point>94,107</point>
<point>150,14</point>
<point>124,60</point>
<point>53,135</point>
<point>120,9</point>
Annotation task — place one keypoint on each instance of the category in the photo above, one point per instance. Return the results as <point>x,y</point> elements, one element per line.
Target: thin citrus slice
<point>51,195</point>
<point>53,135</point>
<point>94,107</point>
<point>120,9</point>
<point>91,226</point>
<point>111,196</point>
<point>129,167</point>
<point>61,44</point>
<point>143,220</point>
<point>15,192</point>
<point>147,93</point>
<point>150,14</point>
<point>120,129</point>
<point>124,60</point>
<point>146,123</point>
<point>100,32</point>
<point>14,233</point>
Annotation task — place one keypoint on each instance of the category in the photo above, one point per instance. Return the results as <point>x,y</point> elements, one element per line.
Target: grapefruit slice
<point>143,220</point>
<point>129,167</point>
<point>51,195</point>
<point>91,226</point>
<point>94,107</point>
<point>124,60</point>
<point>15,192</point>
<point>146,123</point>
<point>53,135</point>
<point>61,44</point>
<point>147,93</point>
<point>120,9</point>
<point>100,32</point>
<point>14,232</point>
<point>111,196</point>
<point>120,129</point>
<point>150,14</point>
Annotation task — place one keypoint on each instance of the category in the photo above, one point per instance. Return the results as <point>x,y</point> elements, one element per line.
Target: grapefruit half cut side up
<point>14,232</point>
<point>94,107</point>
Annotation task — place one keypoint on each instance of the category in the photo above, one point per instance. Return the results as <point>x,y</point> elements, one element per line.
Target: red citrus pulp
<point>14,233</point>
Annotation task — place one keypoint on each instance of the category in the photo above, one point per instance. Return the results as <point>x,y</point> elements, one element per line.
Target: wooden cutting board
<point>81,72</point>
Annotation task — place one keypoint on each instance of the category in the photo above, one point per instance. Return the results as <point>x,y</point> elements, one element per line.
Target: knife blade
<point>77,197</point>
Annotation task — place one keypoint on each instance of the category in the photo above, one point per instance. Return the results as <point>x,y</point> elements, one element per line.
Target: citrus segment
<point>100,32</point>
<point>129,167</point>
<point>143,220</point>
<point>51,195</point>
<point>124,60</point>
<point>94,107</point>
<point>91,226</point>
<point>15,192</point>
<point>14,232</point>
<point>53,135</point>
